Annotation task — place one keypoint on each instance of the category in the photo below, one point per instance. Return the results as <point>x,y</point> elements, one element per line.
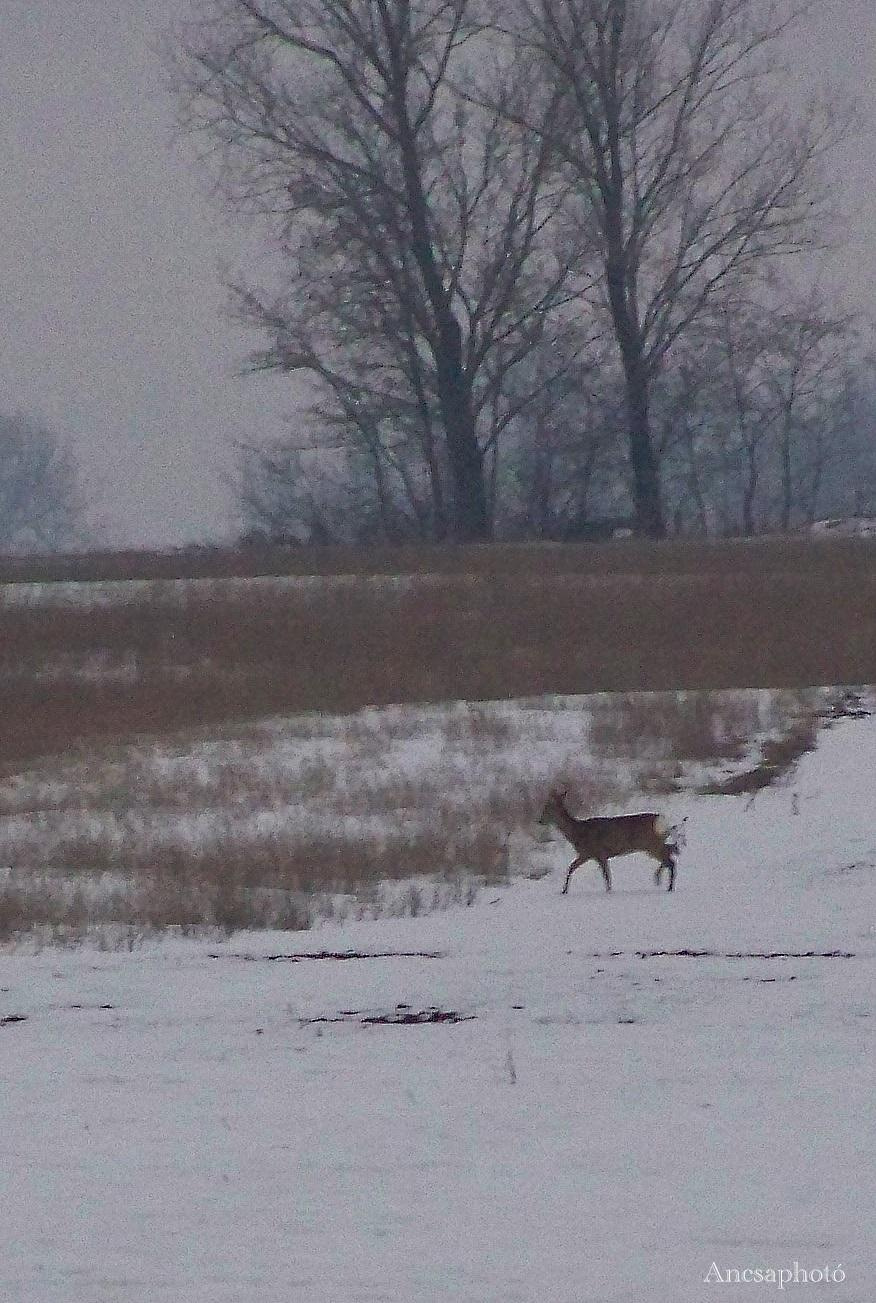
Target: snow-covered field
<point>604,1125</point>
<point>389,810</point>
<point>101,594</point>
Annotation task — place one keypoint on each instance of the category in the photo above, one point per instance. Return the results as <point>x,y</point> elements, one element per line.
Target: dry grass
<point>481,624</point>
<point>182,754</point>
<point>688,726</point>
<point>790,553</point>
<point>383,812</point>
<point>271,829</point>
<point>778,758</point>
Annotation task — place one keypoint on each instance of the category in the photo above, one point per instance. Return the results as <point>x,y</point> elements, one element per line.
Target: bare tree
<point>847,481</point>
<point>568,459</point>
<point>743,415</point>
<point>418,230</point>
<point>40,501</point>
<point>693,173</point>
<point>290,495</point>
<point>810,343</point>
<point>755,400</point>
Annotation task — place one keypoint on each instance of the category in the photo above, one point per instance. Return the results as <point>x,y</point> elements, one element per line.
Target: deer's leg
<point>572,867</point>
<point>668,862</point>
<point>606,872</point>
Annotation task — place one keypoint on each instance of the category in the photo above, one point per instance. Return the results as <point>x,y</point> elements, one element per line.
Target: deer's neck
<point>567,823</point>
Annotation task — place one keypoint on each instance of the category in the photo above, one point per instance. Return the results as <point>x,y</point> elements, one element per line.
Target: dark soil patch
<point>401,1016</point>
<point>780,755</point>
<point>334,954</point>
<point>848,705</point>
<point>13,1017</point>
<point>726,954</point>
<point>407,1018</point>
<point>778,758</point>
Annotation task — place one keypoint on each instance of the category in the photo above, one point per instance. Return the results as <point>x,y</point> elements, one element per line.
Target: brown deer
<point>601,839</point>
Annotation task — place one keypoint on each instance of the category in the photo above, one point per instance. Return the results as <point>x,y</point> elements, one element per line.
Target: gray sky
<point>110,259</point>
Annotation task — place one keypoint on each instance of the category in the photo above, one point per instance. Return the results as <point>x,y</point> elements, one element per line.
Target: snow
<point>104,593</point>
<point>632,1122</point>
<point>846,526</point>
<point>378,774</point>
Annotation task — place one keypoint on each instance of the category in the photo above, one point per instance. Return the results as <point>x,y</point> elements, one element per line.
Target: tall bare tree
<point>810,345</point>
<point>751,412</point>
<point>693,172</point>
<point>418,229</point>
<point>40,500</point>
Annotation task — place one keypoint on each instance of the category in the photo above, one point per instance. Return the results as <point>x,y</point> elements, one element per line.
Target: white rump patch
<point>673,834</point>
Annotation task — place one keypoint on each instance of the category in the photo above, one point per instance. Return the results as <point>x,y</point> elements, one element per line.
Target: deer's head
<point>554,806</point>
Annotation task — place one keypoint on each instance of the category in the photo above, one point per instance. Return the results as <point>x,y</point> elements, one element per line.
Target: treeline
<point>539,265</point>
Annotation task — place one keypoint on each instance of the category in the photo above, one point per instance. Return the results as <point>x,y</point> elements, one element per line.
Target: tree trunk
<point>647,504</point>
<point>620,280</point>
<point>787,476</point>
<point>471,517</point>
<point>440,522</point>
<point>749,492</point>
<point>694,485</point>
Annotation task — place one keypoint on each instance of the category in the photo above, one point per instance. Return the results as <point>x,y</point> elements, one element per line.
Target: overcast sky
<point>110,259</point>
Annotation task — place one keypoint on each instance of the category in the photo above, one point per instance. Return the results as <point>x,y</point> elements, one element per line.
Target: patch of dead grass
<point>278,828</point>
<point>691,726</point>
<point>421,625</point>
<point>777,759</point>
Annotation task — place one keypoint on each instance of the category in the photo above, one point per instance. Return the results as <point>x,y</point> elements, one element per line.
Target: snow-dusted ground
<point>103,593</point>
<point>380,811</point>
<point>605,1127</point>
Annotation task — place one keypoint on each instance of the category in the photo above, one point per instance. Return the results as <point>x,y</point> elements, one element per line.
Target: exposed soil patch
<point>334,954</point>
<point>13,1017</point>
<point>725,954</point>
<point>401,1016</point>
<point>848,705</point>
<point>778,756</point>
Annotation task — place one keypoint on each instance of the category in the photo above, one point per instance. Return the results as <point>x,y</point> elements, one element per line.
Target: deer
<point>603,838</point>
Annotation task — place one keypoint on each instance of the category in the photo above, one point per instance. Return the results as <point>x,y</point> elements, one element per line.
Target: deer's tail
<point>674,834</point>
